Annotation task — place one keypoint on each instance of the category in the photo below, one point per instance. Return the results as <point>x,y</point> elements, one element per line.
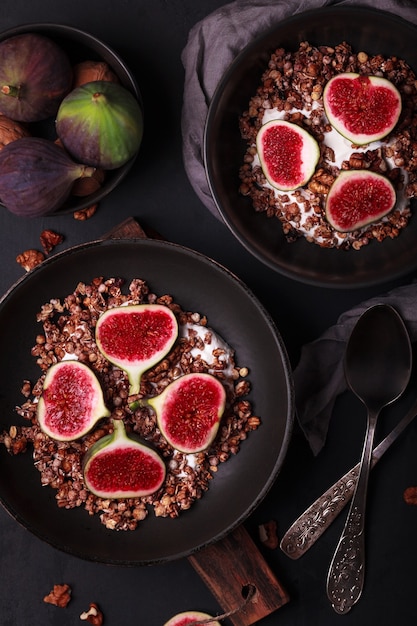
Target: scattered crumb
<point>410,495</point>
<point>59,596</point>
<point>268,534</point>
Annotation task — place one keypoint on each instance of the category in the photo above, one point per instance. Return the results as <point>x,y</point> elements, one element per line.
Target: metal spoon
<point>378,364</point>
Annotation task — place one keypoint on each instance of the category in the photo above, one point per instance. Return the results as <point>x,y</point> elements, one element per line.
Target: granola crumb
<point>86,213</point>
<point>30,259</point>
<point>50,239</point>
<point>410,495</point>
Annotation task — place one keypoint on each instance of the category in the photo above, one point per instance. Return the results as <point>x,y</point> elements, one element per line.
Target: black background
<point>150,37</point>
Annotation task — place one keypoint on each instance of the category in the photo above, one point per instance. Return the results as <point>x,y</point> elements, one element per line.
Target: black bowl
<point>81,46</point>
<point>198,284</point>
<point>365,29</point>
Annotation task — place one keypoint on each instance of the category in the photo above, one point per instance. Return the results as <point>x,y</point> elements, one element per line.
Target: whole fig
<point>101,124</point>
<point>35,74</point>
<point>36,176</point>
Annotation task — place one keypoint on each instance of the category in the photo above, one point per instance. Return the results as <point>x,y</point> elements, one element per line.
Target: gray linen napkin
<point>212,45</point>
<point>319,377</point>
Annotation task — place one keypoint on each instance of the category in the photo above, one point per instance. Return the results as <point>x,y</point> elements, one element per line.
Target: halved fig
<point>189,411</point>
<point>71,402</point>
<point>136,337</point>
<point>288,154</point>
<point>117,466</point>
<point>362,108</point>
<point>191,617</point>
<point>357,198</point>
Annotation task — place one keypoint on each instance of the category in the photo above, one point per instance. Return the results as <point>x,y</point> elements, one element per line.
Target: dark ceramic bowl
<point>198,284</point>
<point>365,29</point>
<point>81,46</point>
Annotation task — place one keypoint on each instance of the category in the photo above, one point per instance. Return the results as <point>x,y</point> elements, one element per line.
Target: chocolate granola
<point>292,88</point>
<point>68,332</point>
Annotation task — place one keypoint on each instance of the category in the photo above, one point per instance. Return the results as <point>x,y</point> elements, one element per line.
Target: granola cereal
<point>291,89</point>
<point>68,333</point>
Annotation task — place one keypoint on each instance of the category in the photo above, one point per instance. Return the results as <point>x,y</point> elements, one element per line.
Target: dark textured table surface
<point>150,37</point>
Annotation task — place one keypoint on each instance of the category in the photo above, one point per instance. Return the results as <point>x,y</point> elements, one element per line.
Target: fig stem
<point>10,90</point>
<point>88,172</point>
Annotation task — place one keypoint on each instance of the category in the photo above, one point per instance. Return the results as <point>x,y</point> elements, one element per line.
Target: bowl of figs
<point>309,147</point>
<point>71,120</point>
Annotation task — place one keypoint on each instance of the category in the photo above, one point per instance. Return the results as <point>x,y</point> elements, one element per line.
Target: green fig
<point>100,123</point>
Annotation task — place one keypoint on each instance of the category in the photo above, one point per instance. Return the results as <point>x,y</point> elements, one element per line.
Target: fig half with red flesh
<point>189,411</point>
<point>117,466</point>
<point>136,337</point>
<point>288,154</point>
<point>35,75</point>
<point>362,108</point>
<point>191,617</point>
<point>71,402</point>
<point>358,198</point>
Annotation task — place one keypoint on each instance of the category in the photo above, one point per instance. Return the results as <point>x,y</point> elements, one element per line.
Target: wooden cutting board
<point>230,566</point>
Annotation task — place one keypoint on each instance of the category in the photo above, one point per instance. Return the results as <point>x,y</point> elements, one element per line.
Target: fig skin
<point>36,176</point>
<point>35,74</point>
<point>100,124</point>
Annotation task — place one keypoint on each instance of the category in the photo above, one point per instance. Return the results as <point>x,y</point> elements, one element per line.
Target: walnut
<point>93,615</point>
<point>268,534</point>
<point>30,259</point>
<point>49,239</point>
<point>88,71</point>
<point>59,596</point>
<point>87,185</point>
<point>85,214</point>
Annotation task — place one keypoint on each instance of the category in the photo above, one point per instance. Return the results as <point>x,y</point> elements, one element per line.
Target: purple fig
<point>117,466</point>
<point>192,617</point>
<point>35,74</point>
<point>71,402</point>
<point>288,154</point>
<point>100,123</point>
<point>358,198</point>
<point>36,176</point>
<point>189,411</point>
<point>362,108</point>
<point>136,337</point>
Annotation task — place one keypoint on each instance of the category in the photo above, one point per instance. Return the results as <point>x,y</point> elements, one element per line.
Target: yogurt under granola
<point>292,89</point>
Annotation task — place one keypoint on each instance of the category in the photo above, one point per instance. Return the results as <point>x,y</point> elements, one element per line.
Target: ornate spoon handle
<point>311,524</point>
<point>347,569</point>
